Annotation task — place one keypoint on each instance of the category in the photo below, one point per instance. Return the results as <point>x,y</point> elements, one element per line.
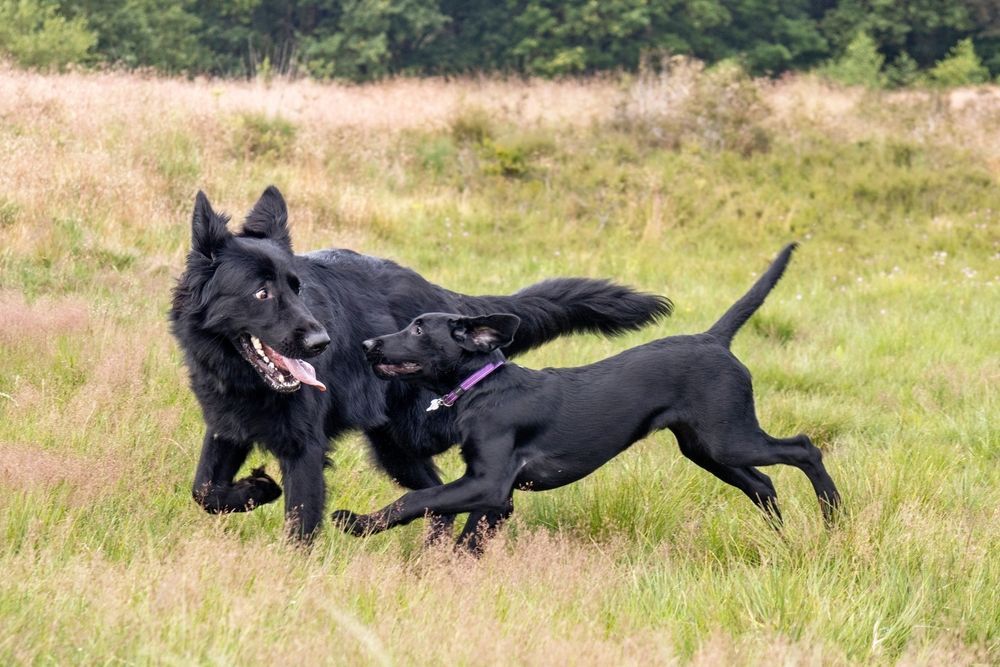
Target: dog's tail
<point>560,306</point>
<point>740,312</point>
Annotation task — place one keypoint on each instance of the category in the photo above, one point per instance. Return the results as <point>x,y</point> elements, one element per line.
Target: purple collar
<point>496,361</point>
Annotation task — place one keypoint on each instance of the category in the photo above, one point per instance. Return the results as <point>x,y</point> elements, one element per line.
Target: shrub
<point>903,71</point>
<point>257,135</point>
<point>9,211</point>
<point>504,158</point>
<point>472,125</point>
<point>860,65</point>
<point>34,35</point>
<point>677,101</point>
<point>962,67</point>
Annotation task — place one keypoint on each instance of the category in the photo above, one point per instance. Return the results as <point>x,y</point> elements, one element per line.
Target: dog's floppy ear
<point>268,219</point>
<point>485,333</point>
<point>208,228</point>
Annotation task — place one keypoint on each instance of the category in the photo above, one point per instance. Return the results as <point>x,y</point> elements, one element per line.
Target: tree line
<point>362,40</point>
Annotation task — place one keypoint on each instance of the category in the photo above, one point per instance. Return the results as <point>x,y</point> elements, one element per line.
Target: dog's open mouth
<point>387,370</point>
<point>281,373</point>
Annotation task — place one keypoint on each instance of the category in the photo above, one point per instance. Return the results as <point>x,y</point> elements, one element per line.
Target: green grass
<point>880,342</point>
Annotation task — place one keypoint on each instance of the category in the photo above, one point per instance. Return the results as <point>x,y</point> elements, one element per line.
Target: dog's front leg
<point>481,527</point>
<point>305,491</point>
<point>412,472</point>
<point>468,494</point>
<point>214,488</point>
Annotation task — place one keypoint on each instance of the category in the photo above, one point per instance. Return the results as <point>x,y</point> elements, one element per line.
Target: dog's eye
<point>262,294</point>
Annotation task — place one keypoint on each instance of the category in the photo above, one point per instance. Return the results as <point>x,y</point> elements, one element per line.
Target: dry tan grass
<point>380,609</point>
<point>389,106</point>
<point>34,469</point>
<point>98,140</point>
<point>956,117</point>
<point>41,320</point>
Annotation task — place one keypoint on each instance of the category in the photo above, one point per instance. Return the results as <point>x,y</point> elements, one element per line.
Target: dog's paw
<point>358,525</point>
<point>259,488</point>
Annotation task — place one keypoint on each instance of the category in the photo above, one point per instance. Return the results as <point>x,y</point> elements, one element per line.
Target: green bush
<point>257,135</point>
<point>473,125</point>
<point>962,67</point>
<point>903,71</point>
<point>8,212</point>
<point>33,34</point>
<point>860,65</point>
<point>504,158</point>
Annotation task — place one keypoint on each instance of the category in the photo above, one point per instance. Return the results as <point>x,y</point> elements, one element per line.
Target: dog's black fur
<point>539,430</point>
<point>249,288</point>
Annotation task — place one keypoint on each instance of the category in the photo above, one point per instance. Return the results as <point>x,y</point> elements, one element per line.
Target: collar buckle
<point>496,361</point>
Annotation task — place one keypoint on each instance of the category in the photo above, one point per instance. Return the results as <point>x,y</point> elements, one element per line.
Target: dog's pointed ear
<point>486,332</point>
<point>268,219</point>
<point>208,228</point>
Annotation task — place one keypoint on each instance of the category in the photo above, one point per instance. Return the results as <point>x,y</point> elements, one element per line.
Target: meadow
<point>881,343</point>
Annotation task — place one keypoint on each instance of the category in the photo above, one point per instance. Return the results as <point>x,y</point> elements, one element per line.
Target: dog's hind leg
<point>482,526</point>
<point>412,473</point>
<point>756,485</point>
<point>214,489</point>
<point>742,449</point>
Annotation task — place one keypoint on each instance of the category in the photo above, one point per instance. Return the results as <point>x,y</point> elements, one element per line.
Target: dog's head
<point>248,287</point>
<point>437,348</point>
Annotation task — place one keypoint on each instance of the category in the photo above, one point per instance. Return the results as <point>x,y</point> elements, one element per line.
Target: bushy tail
<point>740,312</point>
<point>560,306</point>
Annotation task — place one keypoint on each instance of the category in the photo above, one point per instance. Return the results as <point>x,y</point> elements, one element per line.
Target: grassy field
<point>881,343</point>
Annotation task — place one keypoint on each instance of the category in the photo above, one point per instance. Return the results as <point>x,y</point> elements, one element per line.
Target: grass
<point>880,343</point>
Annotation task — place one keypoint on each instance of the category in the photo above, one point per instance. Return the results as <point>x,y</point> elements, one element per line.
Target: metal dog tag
<point>435,404</point>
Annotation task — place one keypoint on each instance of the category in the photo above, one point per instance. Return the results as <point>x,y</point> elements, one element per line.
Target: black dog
<point>539,430</point>
<point>248,312</point>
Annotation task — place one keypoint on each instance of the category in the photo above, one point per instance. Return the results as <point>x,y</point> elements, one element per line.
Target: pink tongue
<point>301,370</point>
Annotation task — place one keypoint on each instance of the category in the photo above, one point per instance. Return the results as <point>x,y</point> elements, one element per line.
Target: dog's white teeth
<point>259,347</point>
<point>270,365</point>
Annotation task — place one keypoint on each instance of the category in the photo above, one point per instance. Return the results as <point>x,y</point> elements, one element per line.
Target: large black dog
<point>540,430</point>
<point>248,312</point>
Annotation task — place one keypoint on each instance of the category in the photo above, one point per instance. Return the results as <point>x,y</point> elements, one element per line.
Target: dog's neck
<point>486,367</point>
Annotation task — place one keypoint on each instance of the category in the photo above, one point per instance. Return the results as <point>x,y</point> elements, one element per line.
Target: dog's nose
<point>316,341</point>
<point>370,345</point>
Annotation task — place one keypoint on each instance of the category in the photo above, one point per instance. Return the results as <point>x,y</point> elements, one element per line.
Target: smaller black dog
<point>538,430</point>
